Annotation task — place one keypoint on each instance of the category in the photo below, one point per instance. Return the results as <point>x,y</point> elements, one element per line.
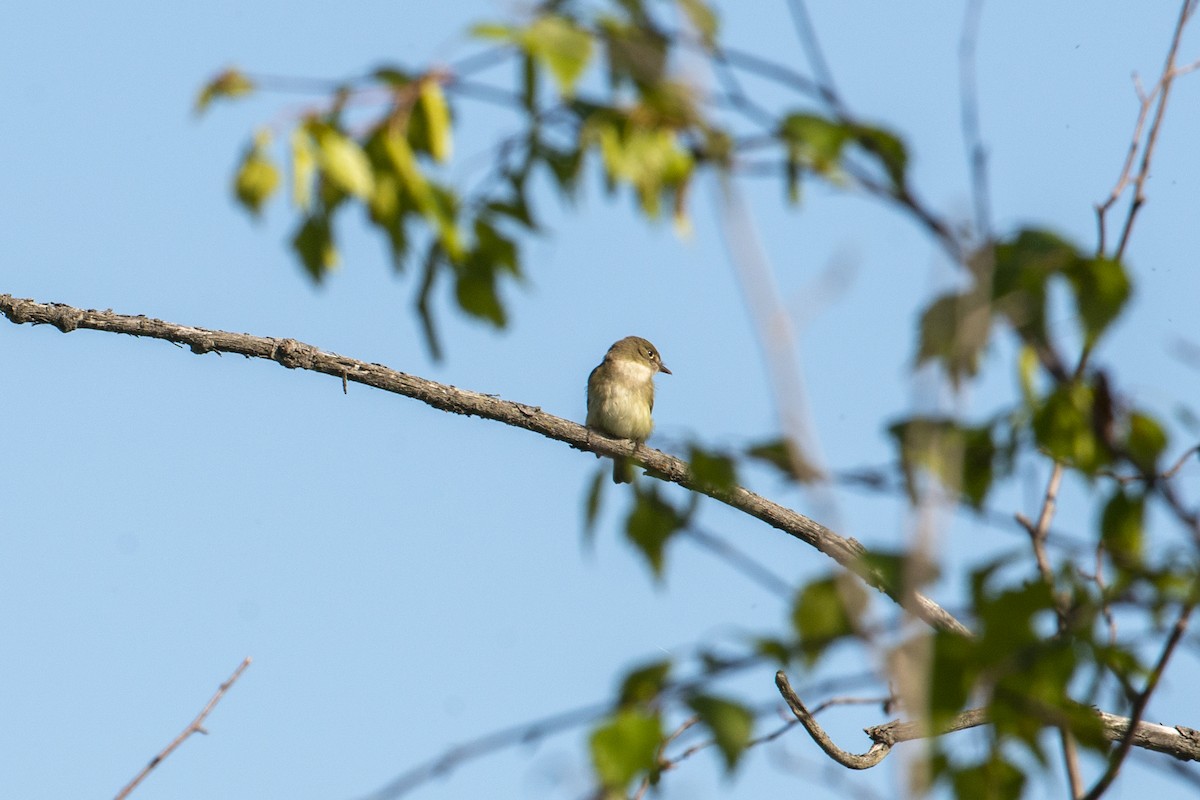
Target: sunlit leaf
<point>257,176</point>
<point>343,161</point>
<point>1063,427</point>
<point>561,46</point>
<point>304,168</point>
<point>702,18</point>
<point>626,746</point>
<point>229,84</point>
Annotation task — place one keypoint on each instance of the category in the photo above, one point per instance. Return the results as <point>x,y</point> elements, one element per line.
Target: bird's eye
<point>653,355</point>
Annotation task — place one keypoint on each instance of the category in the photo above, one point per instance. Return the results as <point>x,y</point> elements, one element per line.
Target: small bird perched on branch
<point>620,396</point>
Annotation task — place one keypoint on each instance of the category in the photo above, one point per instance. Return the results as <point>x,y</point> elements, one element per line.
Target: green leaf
<point>304,168</point>
<point>731,724</point>
<point>954,331</point>
<point>1063,427</point>
<point>626,746</point>
<point>1101,289</point>
<point>591,506</point>
<point>1022,267</point>
<point>475,290</point>
<point>560,46</point>
<point>429,127</point>
<point>825,611</point>
<point>313,242</point>
<point>993,779</point>
<point>702,18</point>
<point>813,142</point>
<point>885,146</point>
<point>651,524</point>
<point>1121,527</point>
<point>787,458</point>
<point>961,458</point>
<point>342,161</point>
<point>257,177</point>
<point>637,54</point>
<point>495,32</point>
<point>643,684</point>
<point>1146,442</point>
<point>436,207</point>
<point>229,84</point>
<point>495,249</point>
<point>712,470</point>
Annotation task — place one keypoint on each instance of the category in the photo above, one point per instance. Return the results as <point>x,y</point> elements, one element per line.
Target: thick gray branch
<point>298,355</point>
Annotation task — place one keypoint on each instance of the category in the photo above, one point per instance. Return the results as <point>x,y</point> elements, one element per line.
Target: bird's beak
<point>663,368</point>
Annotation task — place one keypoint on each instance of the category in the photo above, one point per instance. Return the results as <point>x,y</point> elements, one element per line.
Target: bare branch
<point>195,727</point>
<point>1139,706</point>
<point>1160,92</point>
<point>298,355</point>
<point>1180,742</point>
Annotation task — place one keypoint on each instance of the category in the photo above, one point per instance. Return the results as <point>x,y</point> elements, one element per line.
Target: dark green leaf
<point>954,330</point>
<point>644,683</point>
<point>1146,442</point>
<point>1101,289</point>
<point>591,507</point>
<point>780,454</point>
<point>313,242</point>
<point>993,779</point>
<point>651,524</point>
<point>475,290</point>
<point>637,54</point>
<point>731,724</point>
<point>626,746</point>
<point>885,146</point>
<point>712,470</point>
<point>1064,427</point>
<point>825,611</point>
<point>1121,527</point>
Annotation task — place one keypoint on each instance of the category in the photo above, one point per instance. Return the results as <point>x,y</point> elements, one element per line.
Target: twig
<point>1178,741</point>
<point>1161,91</point>
<point>812,48</point>
<point>972,137</point>
<point>195,727</point>
<point>298,355</point>
<point>1139,706</point>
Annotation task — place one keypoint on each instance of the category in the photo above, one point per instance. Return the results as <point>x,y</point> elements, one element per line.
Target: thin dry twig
<point>1160,93</point>
<point>972,134</point>
<point>196,726</point>
<point>1139,706</point>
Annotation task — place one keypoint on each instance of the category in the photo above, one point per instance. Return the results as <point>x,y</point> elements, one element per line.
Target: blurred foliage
<point>597,86</point>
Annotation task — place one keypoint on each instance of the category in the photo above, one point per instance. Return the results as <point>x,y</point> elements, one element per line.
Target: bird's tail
<point>622,470</point>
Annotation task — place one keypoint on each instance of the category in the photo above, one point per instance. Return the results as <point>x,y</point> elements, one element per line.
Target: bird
<point>620,395</point>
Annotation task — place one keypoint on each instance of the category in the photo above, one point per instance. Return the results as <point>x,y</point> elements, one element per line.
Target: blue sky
<point>405,579</point>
